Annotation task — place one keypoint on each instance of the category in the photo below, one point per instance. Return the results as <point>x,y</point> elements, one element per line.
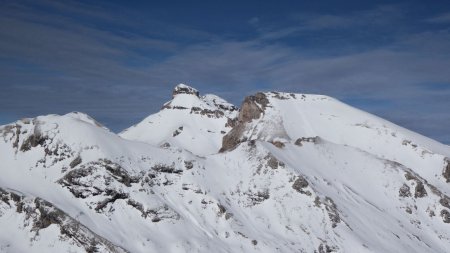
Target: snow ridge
<point>285,172</point>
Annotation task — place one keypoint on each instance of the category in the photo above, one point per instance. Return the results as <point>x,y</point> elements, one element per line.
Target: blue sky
<point>119,60</point>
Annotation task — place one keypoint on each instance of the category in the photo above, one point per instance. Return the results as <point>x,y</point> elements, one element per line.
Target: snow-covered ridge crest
<point>189,121</point>
<point>259,119</point>
<point>281,118</point>
<point>185,97</point>
<point>297,173</point>
<point>86,118</point>
<point>312,115</point>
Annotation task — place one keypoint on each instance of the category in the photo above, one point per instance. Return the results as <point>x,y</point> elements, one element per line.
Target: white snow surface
<point>354,183</point>
<point>180,125</point>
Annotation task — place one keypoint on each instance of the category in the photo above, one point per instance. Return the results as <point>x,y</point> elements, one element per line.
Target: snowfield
<point>282,173</point>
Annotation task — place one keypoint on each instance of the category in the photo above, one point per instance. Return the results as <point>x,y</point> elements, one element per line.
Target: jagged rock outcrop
<point>299,184</point>
<point>40,214</point>
<point>184,89</point>
<point>300,141</point>
<point>252,108</point>
<point>446,172</point>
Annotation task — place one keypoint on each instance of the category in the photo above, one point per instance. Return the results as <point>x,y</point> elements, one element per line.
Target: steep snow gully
<point>283,173</point>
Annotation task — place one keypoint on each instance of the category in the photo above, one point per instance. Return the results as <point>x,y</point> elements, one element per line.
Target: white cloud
<point>442,18</point>
<point>81,67</point>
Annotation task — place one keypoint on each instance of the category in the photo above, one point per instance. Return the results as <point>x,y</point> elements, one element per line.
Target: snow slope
<point>285,173</point>
<point>188,121</point>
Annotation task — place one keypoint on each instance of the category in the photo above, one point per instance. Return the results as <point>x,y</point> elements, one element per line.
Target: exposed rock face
<point>188,165</point>
<point>332,210</point>
<point>300,183</point>
<point>314,140</point>
<point>40,214</point>
<point>88,180</point>
<point>209,113</point>
<point>166,169</point>
<point>156,214</point>
<point>75,162</point>
<point>114,196</point>
<point>14,131</point>
<point>184,89</point>
<point>273,162</point>
<point>445,216</point>
<point>404,191</point>
<point>33,141</point>
<point>258,197</point>
<point>420,191</point>
<point>278,144</point>
<point>324,248</point>
<point>445,201</point>
<point>177,131</point>
<point>446,172</point>
<point>233,138</point>
<point>251,108</point>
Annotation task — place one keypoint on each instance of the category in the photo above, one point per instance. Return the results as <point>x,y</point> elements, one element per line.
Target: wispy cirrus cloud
<point>53,62</point>
<point>54,58</point>
<point>304,22</point>
<point>441,18</point>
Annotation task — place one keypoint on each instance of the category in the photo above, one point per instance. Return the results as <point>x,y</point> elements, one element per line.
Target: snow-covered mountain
<point>188,121</point>
<point>284,173</point>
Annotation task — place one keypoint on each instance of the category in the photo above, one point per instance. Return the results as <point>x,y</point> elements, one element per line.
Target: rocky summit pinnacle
<point>295,173</point>
<point>184,89</point>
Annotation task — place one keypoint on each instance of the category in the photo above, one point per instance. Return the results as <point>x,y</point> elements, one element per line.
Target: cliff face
<point>184,89</point>
<point>251,109</point>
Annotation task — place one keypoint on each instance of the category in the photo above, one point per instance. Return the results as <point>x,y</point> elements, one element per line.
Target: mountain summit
<point>284,172</point>
<point>184,89</point>
<point>189,121</point>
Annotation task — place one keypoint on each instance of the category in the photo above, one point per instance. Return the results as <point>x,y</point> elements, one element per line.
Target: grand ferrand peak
<point>184,89</point>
